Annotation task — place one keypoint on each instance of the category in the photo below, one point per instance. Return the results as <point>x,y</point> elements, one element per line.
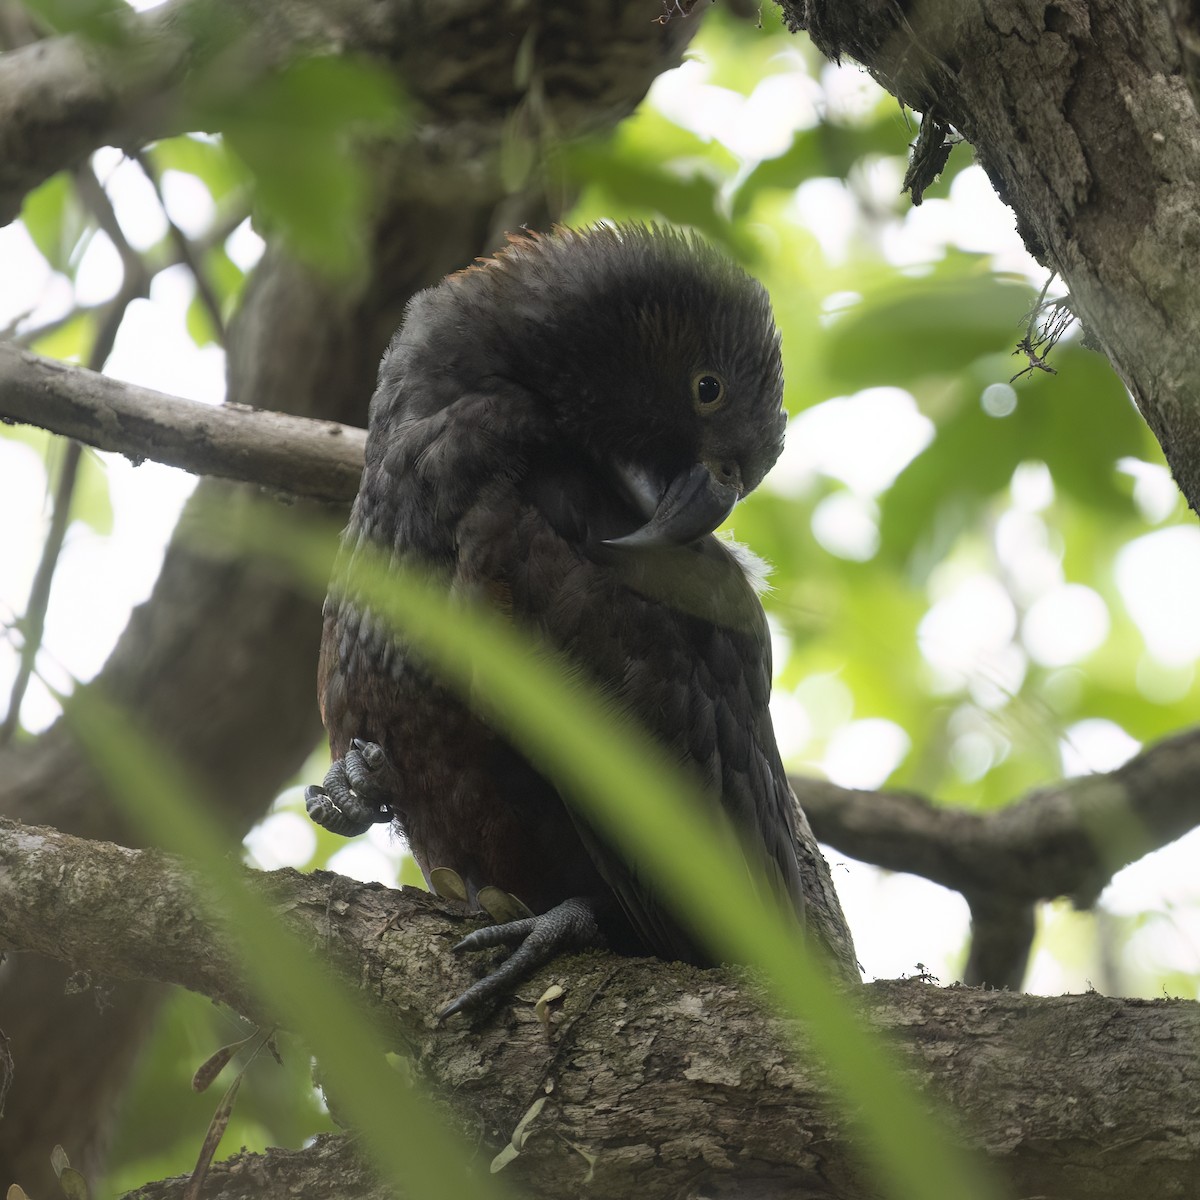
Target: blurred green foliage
<point>296,133</point>
<point>277,1105</point>
<point>403,1133</point>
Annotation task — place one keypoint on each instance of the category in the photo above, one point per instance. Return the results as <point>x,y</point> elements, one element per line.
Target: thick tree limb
<point>320,460</point>
<point>671,1077</point>
<point>1080,112</point>
<point>63,97</point>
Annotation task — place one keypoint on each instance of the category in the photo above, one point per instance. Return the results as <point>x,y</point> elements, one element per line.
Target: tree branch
<point>317,459</point>
<point>1065,840</point>
<point>186,252</point>
<point>33,623</point>
<point>135,282</point>
<point>722,1098</point>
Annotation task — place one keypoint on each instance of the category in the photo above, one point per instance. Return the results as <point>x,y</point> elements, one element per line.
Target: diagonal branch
<point>33,624</point>
<point>1065,840</point>
<point>134,284</point>
<point>186,252</point>
<point>656,1065</point>
<point>319,459</point>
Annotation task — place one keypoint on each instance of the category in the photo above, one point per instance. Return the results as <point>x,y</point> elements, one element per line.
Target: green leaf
<point>54,220</point>
<point>199,324</point>
<point>92,501</point>
<point>638,798</point>
<point>823,150</point>
<point>100,21</point>
<point>74,1184</point>
<point>225,276</point>
<point>70,341</point>
<point>937,325</point>
<point>295,131</point>
<point>1079,422</point>
<point>652,191</point>
<point>205,158</point>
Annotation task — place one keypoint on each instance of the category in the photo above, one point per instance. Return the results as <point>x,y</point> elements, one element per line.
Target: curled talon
<point>350,801</point>
<point>371,753</point>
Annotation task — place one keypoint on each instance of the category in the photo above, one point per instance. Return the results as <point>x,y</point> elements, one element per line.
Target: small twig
<point>96,200</point>
<point>186,253</point>
<point>1037,343</point>
<point>134,284</point>
<point>34,623</point>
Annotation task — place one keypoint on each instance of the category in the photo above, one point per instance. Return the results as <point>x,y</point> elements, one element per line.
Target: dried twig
<point>1043,333</point>
<point>134,284</point>
<point>188,253</point>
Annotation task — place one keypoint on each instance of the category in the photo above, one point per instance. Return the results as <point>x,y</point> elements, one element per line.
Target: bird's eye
<point>708,391</point>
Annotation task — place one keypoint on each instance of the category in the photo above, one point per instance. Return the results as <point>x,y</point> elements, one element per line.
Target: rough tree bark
<point>675,1082</point>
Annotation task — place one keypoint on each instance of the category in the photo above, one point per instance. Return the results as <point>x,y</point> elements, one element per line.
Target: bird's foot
<point>568,926</point>
<point>349,801</point>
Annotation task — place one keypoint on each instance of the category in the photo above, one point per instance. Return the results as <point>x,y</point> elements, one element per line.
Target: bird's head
<point>659,357</point>
<point>655,355</point>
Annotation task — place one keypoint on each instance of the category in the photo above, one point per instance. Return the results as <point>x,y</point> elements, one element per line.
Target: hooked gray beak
<point>693,504</point>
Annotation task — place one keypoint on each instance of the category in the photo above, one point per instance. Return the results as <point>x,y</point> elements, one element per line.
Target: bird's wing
<point>679,639</point>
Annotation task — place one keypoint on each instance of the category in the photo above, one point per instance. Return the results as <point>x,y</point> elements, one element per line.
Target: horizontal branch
<point>649,1064</point>
<point>318,459</point>
<point>330,1161</point>
<point>1065,840</point>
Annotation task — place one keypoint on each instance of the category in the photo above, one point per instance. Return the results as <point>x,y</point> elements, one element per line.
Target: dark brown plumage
<point>557,431</point>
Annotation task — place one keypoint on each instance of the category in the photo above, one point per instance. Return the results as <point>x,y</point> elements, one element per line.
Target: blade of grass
<point>642,802</point>
<point>402,1132</point>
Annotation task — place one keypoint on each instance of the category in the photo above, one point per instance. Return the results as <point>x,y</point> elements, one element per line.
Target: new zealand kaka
<point>557,431</point>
